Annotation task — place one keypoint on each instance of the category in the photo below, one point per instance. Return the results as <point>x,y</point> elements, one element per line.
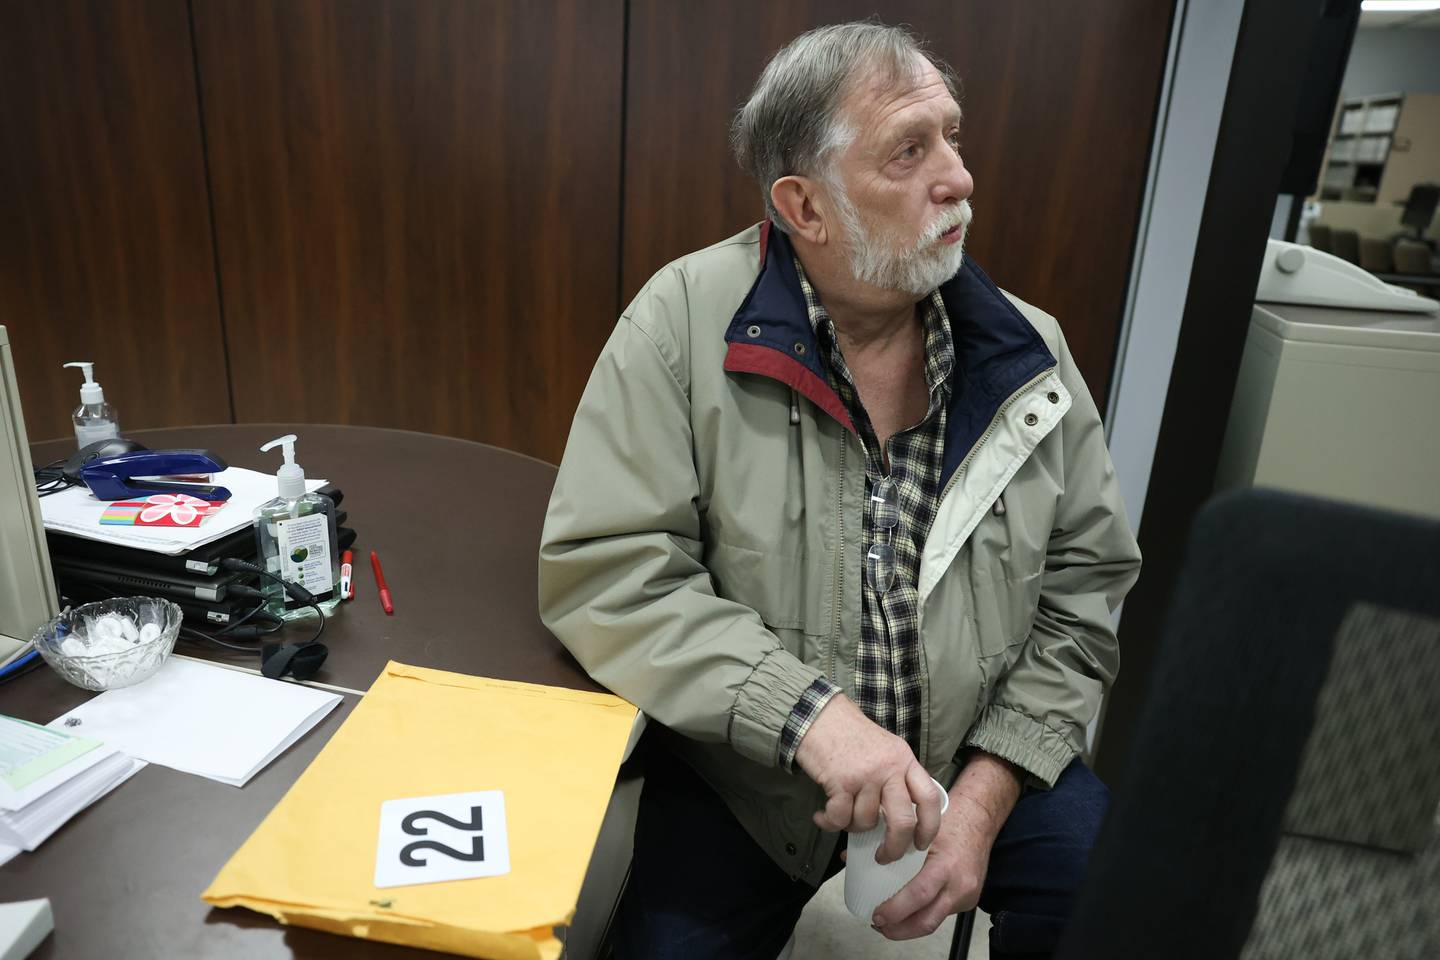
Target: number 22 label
<point>456,836</point>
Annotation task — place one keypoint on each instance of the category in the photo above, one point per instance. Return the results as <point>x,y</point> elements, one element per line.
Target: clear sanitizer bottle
<point>94,419</point>
<point>295,539</point>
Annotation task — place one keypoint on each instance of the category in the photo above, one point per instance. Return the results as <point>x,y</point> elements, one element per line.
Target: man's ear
<point>799,201</point>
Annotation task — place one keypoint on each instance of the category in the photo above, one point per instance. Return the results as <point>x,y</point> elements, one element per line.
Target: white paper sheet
<point>12,799</point>
<point>77,512</point>
<point>33,826</point>
<point>203,719</point>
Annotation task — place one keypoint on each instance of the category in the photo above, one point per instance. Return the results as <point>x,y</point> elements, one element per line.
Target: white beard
<point>915,271</point>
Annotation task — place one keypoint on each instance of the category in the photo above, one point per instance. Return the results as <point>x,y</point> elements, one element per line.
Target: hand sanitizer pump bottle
<point>94,419</point>
<point>295,540</point>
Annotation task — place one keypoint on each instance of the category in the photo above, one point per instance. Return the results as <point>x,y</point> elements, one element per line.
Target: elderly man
<point>836,513</point>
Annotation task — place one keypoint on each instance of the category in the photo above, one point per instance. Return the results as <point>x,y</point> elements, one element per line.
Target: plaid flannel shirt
<point>887,669</point>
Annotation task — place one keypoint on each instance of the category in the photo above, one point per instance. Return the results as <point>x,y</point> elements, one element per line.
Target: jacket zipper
<point>838,579</point>
<point>994,421</point>
<point>959,471</point>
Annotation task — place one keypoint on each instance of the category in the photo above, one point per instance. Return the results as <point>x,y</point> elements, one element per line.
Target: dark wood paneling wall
<point>105,250</point>
<point>1059,100</point>
<point>415,205</point>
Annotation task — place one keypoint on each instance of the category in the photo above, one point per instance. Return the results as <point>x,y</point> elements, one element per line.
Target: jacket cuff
<point>811,702</point>
<point>764,703</point>
<point>1039,749</point>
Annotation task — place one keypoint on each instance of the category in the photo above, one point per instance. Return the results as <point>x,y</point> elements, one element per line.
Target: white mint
<point>107,626</point>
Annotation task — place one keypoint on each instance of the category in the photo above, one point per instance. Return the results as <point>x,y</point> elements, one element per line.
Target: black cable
<point>321,614</point>
<point>240,629</point>
<point>234,629</point>
<point>293,590</point>
<point>190,633</point>
<point>238,623</point>
<point>245,592</point>
<point>51,479</point>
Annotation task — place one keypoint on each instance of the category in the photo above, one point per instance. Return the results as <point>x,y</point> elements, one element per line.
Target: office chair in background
<point>1280,798</point>
<point>1420,209</point>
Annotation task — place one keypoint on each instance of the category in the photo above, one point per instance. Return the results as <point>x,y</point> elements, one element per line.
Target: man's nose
<point>953,182</point>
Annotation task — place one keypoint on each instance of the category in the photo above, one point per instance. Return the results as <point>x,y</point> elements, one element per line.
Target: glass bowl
<point>111,643</point>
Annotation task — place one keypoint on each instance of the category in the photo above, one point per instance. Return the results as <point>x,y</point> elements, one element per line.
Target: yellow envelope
<point>554,752</point>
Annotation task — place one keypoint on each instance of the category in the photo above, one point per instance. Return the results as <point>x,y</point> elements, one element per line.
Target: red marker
<point>347,586</point>
<point>380,583</point>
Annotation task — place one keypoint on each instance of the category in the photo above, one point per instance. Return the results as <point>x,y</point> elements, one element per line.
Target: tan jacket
<point>702,552</point>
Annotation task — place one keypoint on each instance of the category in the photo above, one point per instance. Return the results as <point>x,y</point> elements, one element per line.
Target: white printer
<point>1339,389</point>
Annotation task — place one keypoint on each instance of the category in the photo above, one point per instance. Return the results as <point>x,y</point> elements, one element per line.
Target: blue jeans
<point>700,888</point>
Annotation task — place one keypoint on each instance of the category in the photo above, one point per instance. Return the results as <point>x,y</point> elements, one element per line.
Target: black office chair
<point>1280,797</point>
<point>1420,209</point>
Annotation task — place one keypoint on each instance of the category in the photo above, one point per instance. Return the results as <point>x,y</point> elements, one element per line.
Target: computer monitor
<point>27,588</point>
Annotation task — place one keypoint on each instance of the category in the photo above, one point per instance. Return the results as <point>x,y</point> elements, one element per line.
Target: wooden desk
<point>457,525</point>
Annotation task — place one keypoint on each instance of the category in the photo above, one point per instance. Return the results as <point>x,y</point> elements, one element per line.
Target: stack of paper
<point>204,719</point>
<point>48,776</point>
<point>77,512</point>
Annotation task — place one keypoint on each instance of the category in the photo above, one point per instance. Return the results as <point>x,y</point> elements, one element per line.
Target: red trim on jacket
<point>769,362</point>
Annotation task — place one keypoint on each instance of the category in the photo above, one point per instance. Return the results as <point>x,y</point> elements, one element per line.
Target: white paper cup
<point>869,884</point>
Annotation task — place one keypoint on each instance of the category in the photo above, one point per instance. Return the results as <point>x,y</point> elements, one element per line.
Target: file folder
<point>554,753</point>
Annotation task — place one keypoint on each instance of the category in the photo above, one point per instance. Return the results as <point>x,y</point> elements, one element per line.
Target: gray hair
<point>791,125</point>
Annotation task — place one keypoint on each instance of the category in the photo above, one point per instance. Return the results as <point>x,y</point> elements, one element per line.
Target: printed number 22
<point>477,844</point>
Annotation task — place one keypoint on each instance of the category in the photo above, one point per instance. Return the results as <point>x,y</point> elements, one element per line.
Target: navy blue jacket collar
<point>997,351</point>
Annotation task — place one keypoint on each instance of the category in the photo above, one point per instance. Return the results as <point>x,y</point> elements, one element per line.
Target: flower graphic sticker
<point>159,510</point>
<point>179,507</point>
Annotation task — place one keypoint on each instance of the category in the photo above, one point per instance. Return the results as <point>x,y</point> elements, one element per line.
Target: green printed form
<point>29,751</point>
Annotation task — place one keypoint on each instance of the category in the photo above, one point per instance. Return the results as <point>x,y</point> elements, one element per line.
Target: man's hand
<point>865,769</point>
<point>954,872</point>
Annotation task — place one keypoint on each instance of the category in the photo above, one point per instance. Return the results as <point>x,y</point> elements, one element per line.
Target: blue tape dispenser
<point>125,477</point>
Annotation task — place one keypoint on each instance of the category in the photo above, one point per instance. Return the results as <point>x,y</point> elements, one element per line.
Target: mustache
<point>960,216</point>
